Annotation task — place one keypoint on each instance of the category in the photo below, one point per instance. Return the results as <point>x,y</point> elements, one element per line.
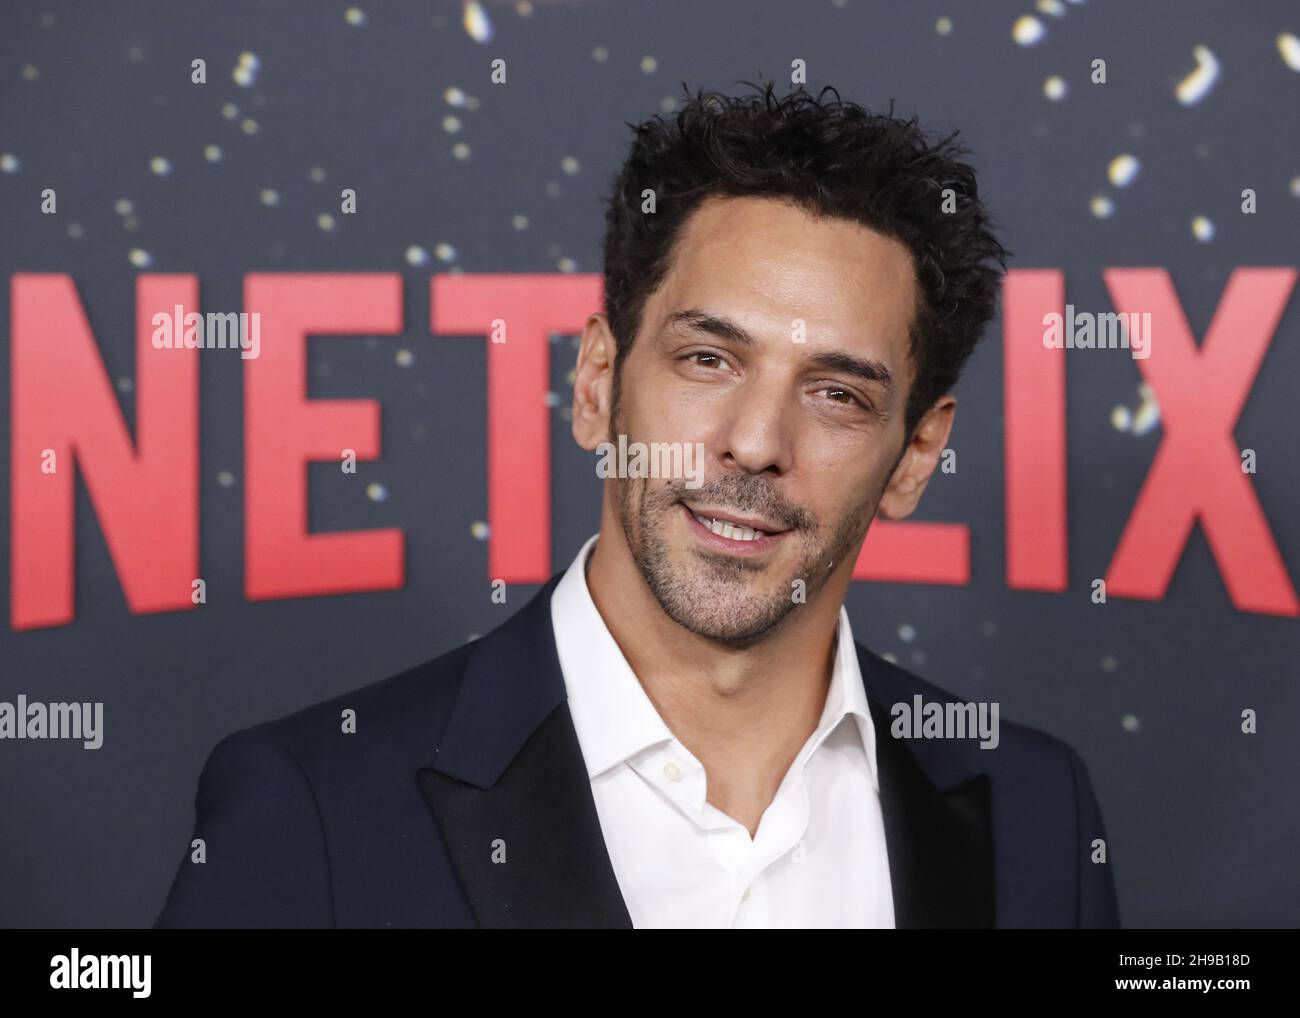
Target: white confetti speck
<point>1123,170</point>
<point>30,72</point>
<point>479,530</point>
<point>1101,206</point>
<point>416,255</point>
<point>75,231</point>
<point>1121,419</point>
<point>404,358</point>
<point>906,633</point>
<point>567,265</point>
<point>140,258</point>
<point>225,478</point>
<point>230,111</point>
<point>649,64</point>
<point>519,222</point>
<point>1295,186</point>
<point>1130,723</point>
<point>123,207</point>
<point>460,150</point>
<point>1053,7</point>
<point>600,54</point>
<point>317,175</point>
<point>212,154</point>
<point>160,166</point>
<point>1055,88</point>
<point>8,163</point>
<point>1289,46</point>
<point>451,124</point>
<point>943,26</point>
<point>454,96</point>
<point>445,252</point>
<point>325,221</point>
<point>245,72</point>
<point>1148,411</point>
<point>249,126</point>
<point>355,16</point>
<point>376,492</point>
<point>270,197</point>
<point>1196,86</point>
<point>1027,30</point>
<point>1108,663</point>
<point>524,9</point>
<point>1202,229</point>
<point>569,165</point>
<point>476,22</point>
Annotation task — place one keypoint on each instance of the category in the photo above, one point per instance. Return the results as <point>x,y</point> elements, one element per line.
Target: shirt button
<point>672,772</point>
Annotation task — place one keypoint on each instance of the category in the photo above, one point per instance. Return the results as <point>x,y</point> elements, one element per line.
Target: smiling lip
<point>707,539</point>
<point>745,521</point>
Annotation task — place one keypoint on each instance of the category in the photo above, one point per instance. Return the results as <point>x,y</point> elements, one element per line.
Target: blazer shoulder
<point>415,702</point>
<point>891,683</point>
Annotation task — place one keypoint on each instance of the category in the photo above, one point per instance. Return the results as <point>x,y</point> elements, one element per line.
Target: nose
<point>756,434</point>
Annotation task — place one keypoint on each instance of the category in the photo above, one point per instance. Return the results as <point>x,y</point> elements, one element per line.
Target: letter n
<point>145,495</point>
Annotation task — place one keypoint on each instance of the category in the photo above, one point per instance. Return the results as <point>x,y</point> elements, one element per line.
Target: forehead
<point>766,263</point>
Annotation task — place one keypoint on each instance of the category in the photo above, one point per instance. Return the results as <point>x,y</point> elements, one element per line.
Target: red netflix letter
<point>1197,470</point>
<point>283,430</point>
<point>64,409</point>
<point>1033,411</point>
<point>518,419</point>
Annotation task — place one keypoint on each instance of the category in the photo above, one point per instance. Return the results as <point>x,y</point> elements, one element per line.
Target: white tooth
<point>732,531</point>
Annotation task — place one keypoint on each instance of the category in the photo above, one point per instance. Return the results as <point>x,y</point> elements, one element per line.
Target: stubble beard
<point>729,600</point>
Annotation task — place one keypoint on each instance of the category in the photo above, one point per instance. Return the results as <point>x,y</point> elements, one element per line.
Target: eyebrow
<point>865,368</point>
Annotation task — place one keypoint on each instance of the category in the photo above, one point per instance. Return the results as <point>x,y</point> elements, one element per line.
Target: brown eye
<point>848,397</point>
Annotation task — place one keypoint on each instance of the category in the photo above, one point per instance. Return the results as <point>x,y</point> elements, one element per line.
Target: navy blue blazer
<point>473,754</point>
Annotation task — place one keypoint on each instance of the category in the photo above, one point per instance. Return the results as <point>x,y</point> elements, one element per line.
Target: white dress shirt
<point>818,858</point>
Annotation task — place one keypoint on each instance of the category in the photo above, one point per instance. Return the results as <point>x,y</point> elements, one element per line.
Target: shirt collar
<point>611,712</point>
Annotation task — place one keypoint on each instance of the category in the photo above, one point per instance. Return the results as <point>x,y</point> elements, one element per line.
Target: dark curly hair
<point>830,158</point>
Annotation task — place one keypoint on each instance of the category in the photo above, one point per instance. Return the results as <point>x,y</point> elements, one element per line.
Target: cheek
<point>841,485</point>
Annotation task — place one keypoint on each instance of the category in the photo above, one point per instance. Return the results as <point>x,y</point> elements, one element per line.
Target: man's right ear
<point>593,382</point>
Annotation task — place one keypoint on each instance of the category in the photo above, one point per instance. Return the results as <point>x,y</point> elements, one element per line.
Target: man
<point>680,729</point>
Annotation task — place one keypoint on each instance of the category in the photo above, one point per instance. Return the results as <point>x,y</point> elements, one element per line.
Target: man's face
<point>780,343</point>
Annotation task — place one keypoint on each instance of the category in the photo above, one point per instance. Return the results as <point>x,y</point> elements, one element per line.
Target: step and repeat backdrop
<point>1111,552</point>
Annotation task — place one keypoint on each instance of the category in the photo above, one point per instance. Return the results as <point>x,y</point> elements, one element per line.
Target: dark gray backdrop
<point>1204,822</point>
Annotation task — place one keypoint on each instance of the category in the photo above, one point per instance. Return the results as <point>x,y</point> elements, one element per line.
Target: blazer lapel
<point>510,792</point>
<point>938,820</point>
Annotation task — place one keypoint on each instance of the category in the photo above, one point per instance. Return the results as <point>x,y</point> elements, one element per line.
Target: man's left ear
<point>918,461</point>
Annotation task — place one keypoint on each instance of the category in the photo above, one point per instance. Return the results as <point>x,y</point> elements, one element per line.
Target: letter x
<point>1197,471</point>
